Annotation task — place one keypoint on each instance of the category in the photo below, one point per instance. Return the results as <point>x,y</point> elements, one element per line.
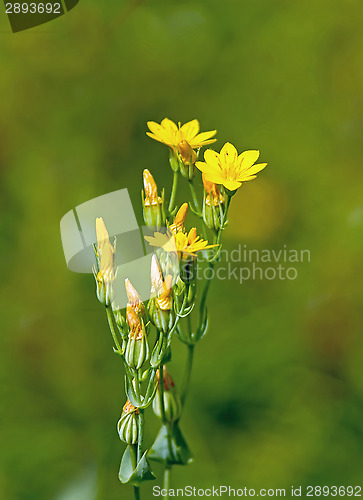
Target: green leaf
<point>172,450</point>
<point>129,475</point>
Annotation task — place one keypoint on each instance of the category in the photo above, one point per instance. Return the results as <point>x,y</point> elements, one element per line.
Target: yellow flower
<point>180,243</point>
<point>178,137</point>
<point>229,168</point>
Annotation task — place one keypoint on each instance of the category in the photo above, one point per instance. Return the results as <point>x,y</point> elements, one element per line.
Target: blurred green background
<point>277,392</point>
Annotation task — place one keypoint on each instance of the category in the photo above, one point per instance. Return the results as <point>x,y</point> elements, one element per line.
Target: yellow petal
<point>156,137</point>
<point>212,158</point>
<point>190,130</point>
<point>231,185</point>
<point>255,168</point>
<point>202,166</point>
<point>228,153</point>
<point>249,178</point>
<point>248,158</point>
<point>214,177</point>
<point>203,139</point>
<point>169,125</point>
<point>159,133</point>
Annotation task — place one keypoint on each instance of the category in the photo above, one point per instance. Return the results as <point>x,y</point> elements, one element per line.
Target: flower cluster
<point>144,332</point>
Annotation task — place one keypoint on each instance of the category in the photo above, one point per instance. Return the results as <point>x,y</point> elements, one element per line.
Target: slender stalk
<point>197,208</point>
<point>137,385</point>
<point>140,434</point>
<point>205,292</point>
<point>167,467</point>
<point>167,478</point>
<point>112,328</point>
<point>173,192</point>
<point>187,373</point>
<point>223,219</point>
<point>161,393</point>
<point>132,448</point>
<point>190,330</point>
<point>195,198</point>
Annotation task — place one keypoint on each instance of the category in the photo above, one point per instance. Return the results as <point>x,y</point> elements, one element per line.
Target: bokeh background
<point>277,393</point>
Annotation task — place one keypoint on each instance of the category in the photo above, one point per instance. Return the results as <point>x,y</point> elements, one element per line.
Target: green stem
<point>161,393</point>
<point>132,448</point>
<point>112,328</point>
<point>187,374</point>
<point>195,198</point>
<point>137,385</point>
<point>167,467</point>
<point>167,477</point>
<point>140,434</point>
<point>150,386</point>
<point>223,220</point>
<point>205,292</point>
<point>173,192</point>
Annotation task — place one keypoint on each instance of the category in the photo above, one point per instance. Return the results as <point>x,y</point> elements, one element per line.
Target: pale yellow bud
<point>179,219</point>
<point>151,190</point>
<point>133,297</point>
<point>189,156</point>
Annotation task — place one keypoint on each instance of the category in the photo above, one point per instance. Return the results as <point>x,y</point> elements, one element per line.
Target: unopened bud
<point>127,425</point>
<point>101,233</point>
<point>160,304</point>
<point>137,349</point>
<point>172,403</point>
<point>187,153</point>
<point>105,275</point>
<point>179,220</point>
<point>213,195</point>
<point>212,201</point>
<point>153,205</point>
<point>133,297</point>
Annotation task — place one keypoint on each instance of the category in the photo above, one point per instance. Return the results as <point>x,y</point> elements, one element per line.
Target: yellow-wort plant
<point>144,333</point>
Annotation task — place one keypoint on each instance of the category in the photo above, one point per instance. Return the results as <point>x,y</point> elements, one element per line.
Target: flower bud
<point>172,403</point>
<point>187,158</point>
<point>105,261</point>
<point>160,304</point>
<point>179,220</point>
<point>137,349</point>
<point>212,201</point>
<point>212,194</point>
<point>127,425</point>
<point>187,153</point>
<point>153,205</point>
<point>120,319</point>
<point>134,299</point>
<point>102,234</point>
<point>188,269</point>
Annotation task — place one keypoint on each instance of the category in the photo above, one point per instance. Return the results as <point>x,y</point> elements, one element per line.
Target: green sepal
<point>177,453</point>
<point>129,475</point>
<point>173,160</point>
<point>131,394</point>
<point>203,327</point>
